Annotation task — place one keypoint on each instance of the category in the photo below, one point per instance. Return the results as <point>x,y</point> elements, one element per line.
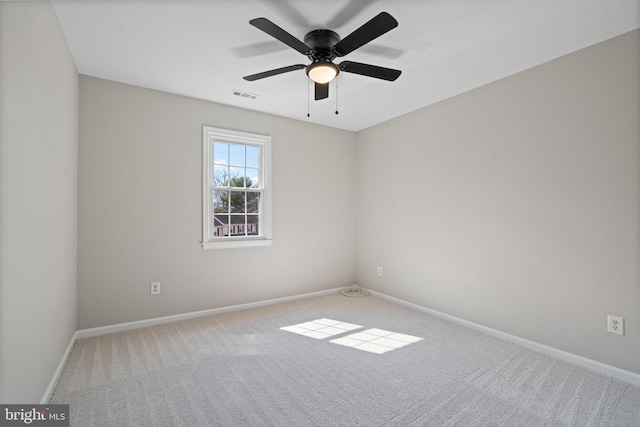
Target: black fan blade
<point>322,91</point>
<point>274,31</point>
<point>370,70</point>
<point>373,29</point>
<point>275,72</point>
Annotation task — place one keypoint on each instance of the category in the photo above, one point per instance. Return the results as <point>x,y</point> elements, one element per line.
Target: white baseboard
<point>58,372</point>
<point>594,365</point>
<point>92,332</point>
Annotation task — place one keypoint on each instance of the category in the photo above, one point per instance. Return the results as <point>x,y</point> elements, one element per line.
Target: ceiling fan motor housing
<point>321,42</point>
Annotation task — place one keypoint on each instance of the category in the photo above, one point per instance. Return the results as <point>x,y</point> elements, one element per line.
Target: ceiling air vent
<point>245,95</point>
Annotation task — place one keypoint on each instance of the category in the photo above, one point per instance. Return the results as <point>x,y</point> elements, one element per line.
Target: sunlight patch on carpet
<point>321,328</point>
<point>376,340</point>
<point>372,340</point>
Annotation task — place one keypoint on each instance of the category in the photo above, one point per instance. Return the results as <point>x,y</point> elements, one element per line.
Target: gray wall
<point>516,205</point>
<point>38,194</point>
<point>140,208</point>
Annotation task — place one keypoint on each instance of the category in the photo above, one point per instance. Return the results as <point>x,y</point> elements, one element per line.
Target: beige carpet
<point>242,369</point>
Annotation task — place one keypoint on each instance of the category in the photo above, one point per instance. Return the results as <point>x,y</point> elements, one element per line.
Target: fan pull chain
<point>308,96</point>
<point>337,95</point>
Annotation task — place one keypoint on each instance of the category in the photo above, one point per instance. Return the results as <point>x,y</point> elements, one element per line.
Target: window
<point>236,193</point>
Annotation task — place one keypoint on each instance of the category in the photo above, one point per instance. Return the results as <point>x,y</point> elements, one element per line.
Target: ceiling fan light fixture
<point>322,46</point>
<point>322,72</point>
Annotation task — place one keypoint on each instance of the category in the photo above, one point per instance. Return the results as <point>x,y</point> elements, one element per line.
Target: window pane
<point>253,156</point>
<point>237,226</point>
<point>220,201</point>
<point>252,178</point>
<point>252,225</point>
<point>238,201</point>
<point>236,154</point>
<point>253,202</point>
<point>219,225</point>
<point>236,177</point>
<point>220,176</point>
<point>237,191</point>
<point>221,153</point>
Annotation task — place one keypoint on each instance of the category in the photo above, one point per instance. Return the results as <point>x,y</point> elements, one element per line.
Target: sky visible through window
<point>234,161</point>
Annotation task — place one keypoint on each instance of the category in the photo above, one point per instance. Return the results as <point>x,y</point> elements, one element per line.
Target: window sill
<point>232,244</point>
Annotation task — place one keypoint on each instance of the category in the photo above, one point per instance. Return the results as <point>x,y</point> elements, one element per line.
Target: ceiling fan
<point>323,46</point>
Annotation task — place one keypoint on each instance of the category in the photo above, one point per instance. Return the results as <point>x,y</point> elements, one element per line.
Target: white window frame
<point>209,136</point>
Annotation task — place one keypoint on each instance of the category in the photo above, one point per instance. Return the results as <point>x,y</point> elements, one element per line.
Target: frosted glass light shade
<point>322,72</point>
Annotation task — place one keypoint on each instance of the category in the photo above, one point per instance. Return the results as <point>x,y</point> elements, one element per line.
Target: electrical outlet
<point>379,271</point>
<point>155,288</point>
<point>615,324</point>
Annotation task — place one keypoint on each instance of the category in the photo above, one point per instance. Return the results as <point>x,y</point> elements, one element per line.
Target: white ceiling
<point>202,49</point>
